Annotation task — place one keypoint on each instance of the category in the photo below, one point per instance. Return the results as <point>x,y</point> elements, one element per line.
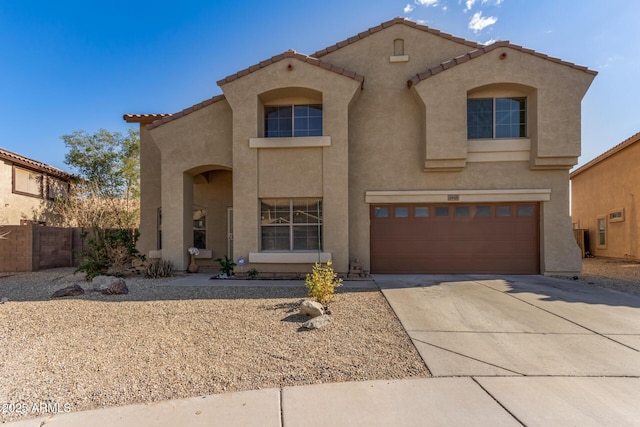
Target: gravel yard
<point>618,274</point>
<point>163,342</point>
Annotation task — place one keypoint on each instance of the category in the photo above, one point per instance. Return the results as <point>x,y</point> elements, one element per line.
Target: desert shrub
<point>110,252</point>
<point>321,282</point>
<point>159,268</point>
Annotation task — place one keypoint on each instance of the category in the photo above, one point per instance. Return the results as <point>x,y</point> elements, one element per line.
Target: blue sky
<point>68,64</point>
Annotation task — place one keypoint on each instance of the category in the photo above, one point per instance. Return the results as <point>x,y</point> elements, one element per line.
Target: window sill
<point>399,58</point>
<point>305,141</point>
<point>288,257</point>
<point>496,150</point>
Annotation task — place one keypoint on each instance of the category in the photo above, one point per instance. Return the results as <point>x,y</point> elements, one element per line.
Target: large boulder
<point>117,287</point>
<point>69,291</point>
<point>100,283</point>
<point>311,309</point>
<point>317,322</point>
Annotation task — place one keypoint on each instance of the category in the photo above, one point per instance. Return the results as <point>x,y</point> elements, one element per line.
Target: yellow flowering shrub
<point>321,282</point>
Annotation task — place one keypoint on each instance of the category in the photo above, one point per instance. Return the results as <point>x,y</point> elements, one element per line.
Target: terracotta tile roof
<point>143,118</point>
<point>154,120</point>
<point>624,144</point>
<point>486,49</point>
<point>35,165</point>
<point>292,54</point>
<point>387,24</point>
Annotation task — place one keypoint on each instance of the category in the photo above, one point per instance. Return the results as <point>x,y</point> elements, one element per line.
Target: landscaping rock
<point>311,309</point>
<point>118,287</point>
<point>317,322</point>
<point>100,283</point>
<point>69,291</point>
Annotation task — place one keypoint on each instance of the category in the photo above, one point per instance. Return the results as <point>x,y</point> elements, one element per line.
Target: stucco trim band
<point>512,150</point>
<point>458,196</point>
<point>288,257</point>
<point>306,141</point>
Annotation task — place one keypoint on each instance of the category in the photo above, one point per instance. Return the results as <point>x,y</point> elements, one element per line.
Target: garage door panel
<point>453,244</point>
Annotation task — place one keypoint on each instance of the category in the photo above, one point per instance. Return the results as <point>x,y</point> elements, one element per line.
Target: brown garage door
<point>500,238</point>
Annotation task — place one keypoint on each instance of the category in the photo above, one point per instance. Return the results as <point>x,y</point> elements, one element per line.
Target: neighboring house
<point>25,184</point>
<point>403,147</point>
<point>603,200</point>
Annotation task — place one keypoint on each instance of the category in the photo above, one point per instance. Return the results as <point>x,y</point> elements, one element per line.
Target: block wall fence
<point>35,247</point>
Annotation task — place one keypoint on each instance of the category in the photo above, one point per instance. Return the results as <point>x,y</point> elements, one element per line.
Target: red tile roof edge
<point>143,118</point>
<point>387,24</point>
<point>624,144</point>
<point>486,49</point>
<point>292,54</point>
<point>35,165</point>
<point>154,120</point>
<point>170,117</point>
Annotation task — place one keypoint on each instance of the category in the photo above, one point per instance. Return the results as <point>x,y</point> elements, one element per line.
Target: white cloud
<point>427,2</point>
<point>408,8</point>
<point>490,41</point>
<point>478,23</point>
<point>492,2</point>
<point>469,4</point>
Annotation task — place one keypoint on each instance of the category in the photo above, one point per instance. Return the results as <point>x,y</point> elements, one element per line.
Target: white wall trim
<point>305,141</point>
<point>458,196</point>
<point>288,257</point>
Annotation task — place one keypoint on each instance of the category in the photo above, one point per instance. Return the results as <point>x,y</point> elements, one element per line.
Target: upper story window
<point>282,121</point>
<point>27,182</point>
<point>497,118</point>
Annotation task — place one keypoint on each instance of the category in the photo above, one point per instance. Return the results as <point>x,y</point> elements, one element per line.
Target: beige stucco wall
<point>195,144</point>
<point>303,171</point>
<point>384,136</point>
<point>394,130</point>
<point>611,185</point>
<point>15,207</point>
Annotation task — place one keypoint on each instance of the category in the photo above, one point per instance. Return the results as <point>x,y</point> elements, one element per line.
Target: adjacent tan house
<point>25,184</point>
<point>603,202</point>
<point>402,147</point>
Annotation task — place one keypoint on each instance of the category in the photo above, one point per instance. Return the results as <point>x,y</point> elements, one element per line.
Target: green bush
<point>321,283</point>
<point>110,252</point>
<point>226,265</point>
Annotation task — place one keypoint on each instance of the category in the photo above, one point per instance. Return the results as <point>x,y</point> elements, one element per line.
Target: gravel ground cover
<point>612,273</point>
<point>163,342</point>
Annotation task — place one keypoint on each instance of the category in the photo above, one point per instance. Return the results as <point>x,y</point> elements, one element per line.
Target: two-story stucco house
<point>405,148</point>
<point>25,184</point>
<point>603,200</point>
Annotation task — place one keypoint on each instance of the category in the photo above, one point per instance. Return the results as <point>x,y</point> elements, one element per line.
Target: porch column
<point>177,218</point>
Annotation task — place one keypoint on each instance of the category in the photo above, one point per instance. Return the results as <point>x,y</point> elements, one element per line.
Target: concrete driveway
<point>545,349</point>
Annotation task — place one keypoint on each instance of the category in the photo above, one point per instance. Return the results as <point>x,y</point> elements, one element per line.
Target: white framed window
<point>291,224</point>
<point>489,118</point>
<point>616,215</point>
<point>200,228</point>
<point>283,121</point>
<point>602,232</point>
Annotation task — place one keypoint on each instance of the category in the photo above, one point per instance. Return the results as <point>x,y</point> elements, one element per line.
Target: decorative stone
<point>355,269</point>
<point>69,291</point>
<point>311,309</point>
<point>118,287</point>
<point>317,322</point>
<point>100,283</point>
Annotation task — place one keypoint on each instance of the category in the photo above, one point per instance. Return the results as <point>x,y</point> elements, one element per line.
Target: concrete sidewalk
<point>510,350</point>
